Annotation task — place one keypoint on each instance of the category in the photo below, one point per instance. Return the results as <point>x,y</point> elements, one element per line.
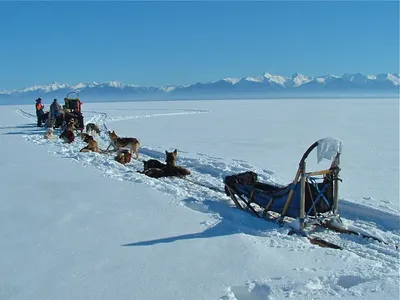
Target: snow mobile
<point>311,198</point>
<point>71,110</point>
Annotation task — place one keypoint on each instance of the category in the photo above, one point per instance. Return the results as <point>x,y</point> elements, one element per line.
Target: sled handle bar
<point>305,155</point>
<point>77,95</point>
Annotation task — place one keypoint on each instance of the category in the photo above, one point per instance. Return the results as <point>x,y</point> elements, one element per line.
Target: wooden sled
<point>311,197</point>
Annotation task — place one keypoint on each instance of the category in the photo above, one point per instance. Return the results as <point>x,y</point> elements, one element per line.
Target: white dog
<point>49,135</point>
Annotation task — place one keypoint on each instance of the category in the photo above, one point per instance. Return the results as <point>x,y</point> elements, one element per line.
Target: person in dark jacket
<point>55,109</point>
<point>39,111</point>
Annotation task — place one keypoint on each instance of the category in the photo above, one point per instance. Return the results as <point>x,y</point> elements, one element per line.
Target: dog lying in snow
<point>83,135</point>
<point>91,144</point>
<point>123,157</point>
<point>49,135</point>
<point>67,135</point>
<point>72,124</point>
<point>168,170</point>
<point>153,163</point>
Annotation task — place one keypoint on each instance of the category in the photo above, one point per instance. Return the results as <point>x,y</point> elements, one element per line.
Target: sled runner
<point>312,197</point>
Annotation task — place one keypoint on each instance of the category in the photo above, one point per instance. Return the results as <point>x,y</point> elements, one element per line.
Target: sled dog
<point>170,169</point>
<point>119,143</point>
<point>123,157</point>
<point>49,135</point>
<point>153,163</point>
<point>83,135</point>
<point>91,144</point>
<point>72,125</point>
<point>67,135</point>
<point>92,128</point>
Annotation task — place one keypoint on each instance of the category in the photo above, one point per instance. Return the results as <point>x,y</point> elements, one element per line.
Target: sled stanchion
<point>336,163</point>
<point>249,206</point>
<point>290,196</point>
<point>232,194</point>
<point>266,209</point>
<point>302,195</point>
<point>296,179</point>
<point>238,205</point>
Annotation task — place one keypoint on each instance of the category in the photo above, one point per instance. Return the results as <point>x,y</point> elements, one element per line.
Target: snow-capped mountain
<point>264,85</point>
<point>296,84</point>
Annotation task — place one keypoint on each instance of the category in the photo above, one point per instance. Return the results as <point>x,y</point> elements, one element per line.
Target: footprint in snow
<point>252,291</point>
<point>348,281</point>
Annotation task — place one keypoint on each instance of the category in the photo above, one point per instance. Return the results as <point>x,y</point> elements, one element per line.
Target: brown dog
<point>83,135</point>
<point>92,128</point>
<point>91,144</point>
<point>118,143</point>
<point>68,136</point>
<point>72,124</point>
<point>123,157</point>
<point>170,169</point>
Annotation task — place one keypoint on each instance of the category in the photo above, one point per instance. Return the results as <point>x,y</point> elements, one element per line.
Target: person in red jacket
<point>39,111</point>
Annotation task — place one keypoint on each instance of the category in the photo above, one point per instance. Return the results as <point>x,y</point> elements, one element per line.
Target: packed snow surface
<point>81,226</point>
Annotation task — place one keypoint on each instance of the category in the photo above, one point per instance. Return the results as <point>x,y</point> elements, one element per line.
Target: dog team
<point>124,146</point>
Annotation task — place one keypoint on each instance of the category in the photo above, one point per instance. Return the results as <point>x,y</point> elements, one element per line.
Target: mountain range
<point>263,86</point>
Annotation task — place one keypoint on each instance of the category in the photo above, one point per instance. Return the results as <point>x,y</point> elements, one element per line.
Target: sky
<point>160,43</point>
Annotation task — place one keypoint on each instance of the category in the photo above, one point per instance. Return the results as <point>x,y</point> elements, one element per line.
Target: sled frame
<point>301,174</point>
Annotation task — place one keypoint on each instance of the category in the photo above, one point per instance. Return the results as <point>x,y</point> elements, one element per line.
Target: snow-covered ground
<point>80,226</point>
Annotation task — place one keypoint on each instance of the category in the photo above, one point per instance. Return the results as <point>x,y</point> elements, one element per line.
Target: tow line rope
<point>215,189</point>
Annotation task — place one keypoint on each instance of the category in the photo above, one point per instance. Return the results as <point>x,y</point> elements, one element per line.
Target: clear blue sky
<point>157,43</point>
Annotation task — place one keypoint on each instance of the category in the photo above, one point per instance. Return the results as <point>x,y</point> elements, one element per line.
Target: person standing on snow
<point>55,109</point>
<point>39,111</point>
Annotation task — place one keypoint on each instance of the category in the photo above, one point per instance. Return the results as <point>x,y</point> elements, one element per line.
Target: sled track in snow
<point>101,118</point>
<point>362,213</point>
<point>187,112</point>
<point>133,117</point>
<point>210,171</point>
<point>98,118</point>
<point>26,115</point>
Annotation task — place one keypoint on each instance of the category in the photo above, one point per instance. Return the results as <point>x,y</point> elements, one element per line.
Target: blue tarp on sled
<point>274,198</point>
